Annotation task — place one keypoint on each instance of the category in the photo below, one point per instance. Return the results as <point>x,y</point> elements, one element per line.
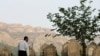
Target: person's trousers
<point>22,53</point>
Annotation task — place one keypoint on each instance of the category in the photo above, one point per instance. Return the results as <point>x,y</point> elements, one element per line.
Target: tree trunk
<point>84,47</point>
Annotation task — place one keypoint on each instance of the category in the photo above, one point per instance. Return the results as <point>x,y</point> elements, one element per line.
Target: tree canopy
<point>78,21</point>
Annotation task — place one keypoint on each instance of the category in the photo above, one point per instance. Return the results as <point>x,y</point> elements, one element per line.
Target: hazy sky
<point>33,12</point>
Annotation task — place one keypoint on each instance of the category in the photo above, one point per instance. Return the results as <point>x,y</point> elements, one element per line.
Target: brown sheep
<point>74,48</point>
<point>31,51</point>
<point>65,49</point>
<point>97,51</point>
<point>90,48</point>
<point>50,50</point>
<point>4,52</point>
<point>42,48</point>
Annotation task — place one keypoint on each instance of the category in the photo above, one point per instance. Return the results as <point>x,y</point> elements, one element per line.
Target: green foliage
<point>77,21</point>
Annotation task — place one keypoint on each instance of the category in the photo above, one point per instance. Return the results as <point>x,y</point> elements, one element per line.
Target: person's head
<point>26,38</point>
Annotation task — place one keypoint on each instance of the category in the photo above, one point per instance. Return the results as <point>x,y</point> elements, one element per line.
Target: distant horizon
<point>25,25</point>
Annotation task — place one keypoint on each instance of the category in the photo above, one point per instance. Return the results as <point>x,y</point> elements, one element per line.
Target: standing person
<point>23,48</point>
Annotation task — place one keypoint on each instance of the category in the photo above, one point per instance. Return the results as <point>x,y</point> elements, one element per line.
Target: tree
<point>77,21</point>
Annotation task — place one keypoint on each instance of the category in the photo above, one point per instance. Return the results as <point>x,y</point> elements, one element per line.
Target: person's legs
<point>19,53</point>
<point>22,53</point>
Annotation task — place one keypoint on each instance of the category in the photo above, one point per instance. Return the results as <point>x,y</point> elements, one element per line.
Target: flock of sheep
<point>72,48</point>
